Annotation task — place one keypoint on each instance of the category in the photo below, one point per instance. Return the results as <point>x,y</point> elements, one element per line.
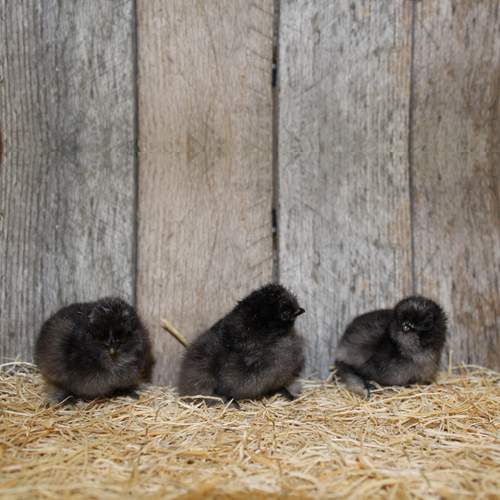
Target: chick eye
<point>406,327</point>
<point>285,316</point>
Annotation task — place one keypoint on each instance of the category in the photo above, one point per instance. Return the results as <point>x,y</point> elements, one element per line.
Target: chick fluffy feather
<point>399,346</point>
<point>252,352</point>
<point>93,349</point>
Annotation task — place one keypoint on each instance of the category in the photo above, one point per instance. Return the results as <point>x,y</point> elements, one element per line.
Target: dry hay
<point>436,441</point>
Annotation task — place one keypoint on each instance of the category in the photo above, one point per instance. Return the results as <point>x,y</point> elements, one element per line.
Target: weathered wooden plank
<point>344,218</point>
<point>67,164</point>
<point>456,165</point>
<point>205,176</point>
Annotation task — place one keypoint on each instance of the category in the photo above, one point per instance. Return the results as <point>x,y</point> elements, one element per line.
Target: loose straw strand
<point>170,329</point>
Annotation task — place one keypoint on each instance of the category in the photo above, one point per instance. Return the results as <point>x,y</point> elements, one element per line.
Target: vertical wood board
<point>67,165</point>
<point>205,174</point>
<point>456,165</point>
<point>344,219</point>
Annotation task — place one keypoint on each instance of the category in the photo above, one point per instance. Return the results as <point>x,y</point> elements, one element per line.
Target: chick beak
<point>298,312</point>
<point>112,343</point>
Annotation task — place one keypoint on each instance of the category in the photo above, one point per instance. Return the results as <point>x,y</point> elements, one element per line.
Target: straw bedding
<point>435,441</point>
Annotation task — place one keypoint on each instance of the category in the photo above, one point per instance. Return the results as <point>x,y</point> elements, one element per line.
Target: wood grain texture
<point>344,219</point>
<point>456,165</point>
<point>67,165</point>
<point>205,174</point>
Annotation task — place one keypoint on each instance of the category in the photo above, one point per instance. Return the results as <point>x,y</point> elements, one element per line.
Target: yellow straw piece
<point>170,329</point>
<point>427,442</point>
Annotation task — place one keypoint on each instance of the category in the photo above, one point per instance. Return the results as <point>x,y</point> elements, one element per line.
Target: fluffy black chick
<point>399,346</point>
<point>252,352</point>
<point>93,349</point>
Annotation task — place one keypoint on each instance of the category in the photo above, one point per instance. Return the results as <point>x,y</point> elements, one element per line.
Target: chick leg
<point>287,394</point>
<point>58,396</point>
<point>129,391</point>
<point>354,382</point>
<point>234,403</point>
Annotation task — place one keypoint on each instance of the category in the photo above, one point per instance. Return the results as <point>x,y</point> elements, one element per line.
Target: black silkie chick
<point>93,349</point>
<point>399,346</point>
<point>254,351</point>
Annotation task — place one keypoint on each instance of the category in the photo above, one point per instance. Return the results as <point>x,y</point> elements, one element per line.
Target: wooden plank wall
<point>456,166</point>
<point>351,197</point>
<point>205,173</point>
<point>345,122</point>
<point>67,161</point>
<point>344,212</point>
